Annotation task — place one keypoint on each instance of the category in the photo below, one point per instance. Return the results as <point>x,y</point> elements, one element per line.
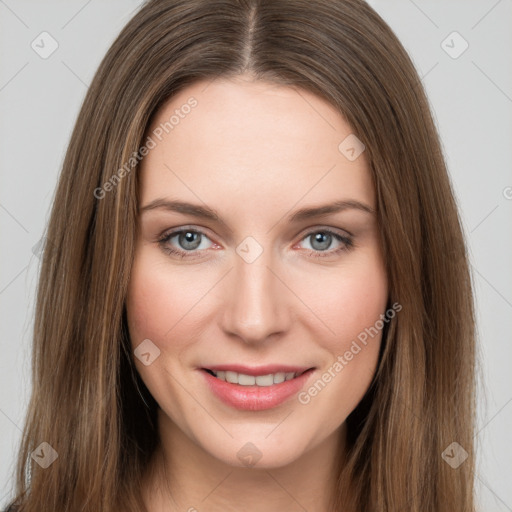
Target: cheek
<point>349,300</point>
<point>351,307</point>
<point>158,301</point>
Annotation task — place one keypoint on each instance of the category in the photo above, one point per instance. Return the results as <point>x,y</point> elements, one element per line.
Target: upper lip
<point>257,370</point>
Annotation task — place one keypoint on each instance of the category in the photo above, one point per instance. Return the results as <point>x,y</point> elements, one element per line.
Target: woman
<point>190,353</point>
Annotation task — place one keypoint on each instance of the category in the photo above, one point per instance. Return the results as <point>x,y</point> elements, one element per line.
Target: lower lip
<point>255,398</point>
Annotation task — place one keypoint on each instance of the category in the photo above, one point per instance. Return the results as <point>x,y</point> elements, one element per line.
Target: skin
<point>255,152</point>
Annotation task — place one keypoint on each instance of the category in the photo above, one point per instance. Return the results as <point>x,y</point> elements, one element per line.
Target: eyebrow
<point>300,215</point>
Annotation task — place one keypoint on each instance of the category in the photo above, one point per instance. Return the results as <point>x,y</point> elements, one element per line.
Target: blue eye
<point>321,240</point>
<point>190,241</point>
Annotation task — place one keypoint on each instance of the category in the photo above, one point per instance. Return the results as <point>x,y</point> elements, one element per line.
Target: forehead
<point>241,142</point>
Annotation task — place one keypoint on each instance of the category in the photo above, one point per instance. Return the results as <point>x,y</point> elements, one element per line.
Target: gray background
<point>471,98</point>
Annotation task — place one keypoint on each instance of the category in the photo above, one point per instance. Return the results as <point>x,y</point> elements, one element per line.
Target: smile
<point>251,380</point>
<point>255,389</point>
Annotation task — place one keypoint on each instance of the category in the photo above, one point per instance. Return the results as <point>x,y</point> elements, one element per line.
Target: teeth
<point>232,377</point>
<point>263,380</point>
<point>279,377</point>
<point>246,380</point>
<point>251,380</point>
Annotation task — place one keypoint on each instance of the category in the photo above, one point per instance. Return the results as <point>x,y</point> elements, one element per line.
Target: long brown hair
<point>85,400</point>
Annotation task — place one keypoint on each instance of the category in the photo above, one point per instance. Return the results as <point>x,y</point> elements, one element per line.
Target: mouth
<point>262,380</point>
<point>256,389</point>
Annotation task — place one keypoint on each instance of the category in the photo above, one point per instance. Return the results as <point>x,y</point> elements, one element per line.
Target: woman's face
<point>256,288</point>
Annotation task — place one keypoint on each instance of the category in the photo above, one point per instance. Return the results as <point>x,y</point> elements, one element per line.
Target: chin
<point>258,450</point>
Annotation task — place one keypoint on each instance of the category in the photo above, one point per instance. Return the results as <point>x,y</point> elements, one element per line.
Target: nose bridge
<point>256,306</point>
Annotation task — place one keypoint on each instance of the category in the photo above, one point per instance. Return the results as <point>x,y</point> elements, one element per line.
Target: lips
<point>255,388</point>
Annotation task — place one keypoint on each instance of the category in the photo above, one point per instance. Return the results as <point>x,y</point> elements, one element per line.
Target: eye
<point>187,241</point>
<point>322,239</point>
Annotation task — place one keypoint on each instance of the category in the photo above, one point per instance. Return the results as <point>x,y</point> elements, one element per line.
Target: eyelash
<point>347,243</point>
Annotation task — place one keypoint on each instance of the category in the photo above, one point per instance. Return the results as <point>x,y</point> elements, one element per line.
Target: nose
<point>257,301</point>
